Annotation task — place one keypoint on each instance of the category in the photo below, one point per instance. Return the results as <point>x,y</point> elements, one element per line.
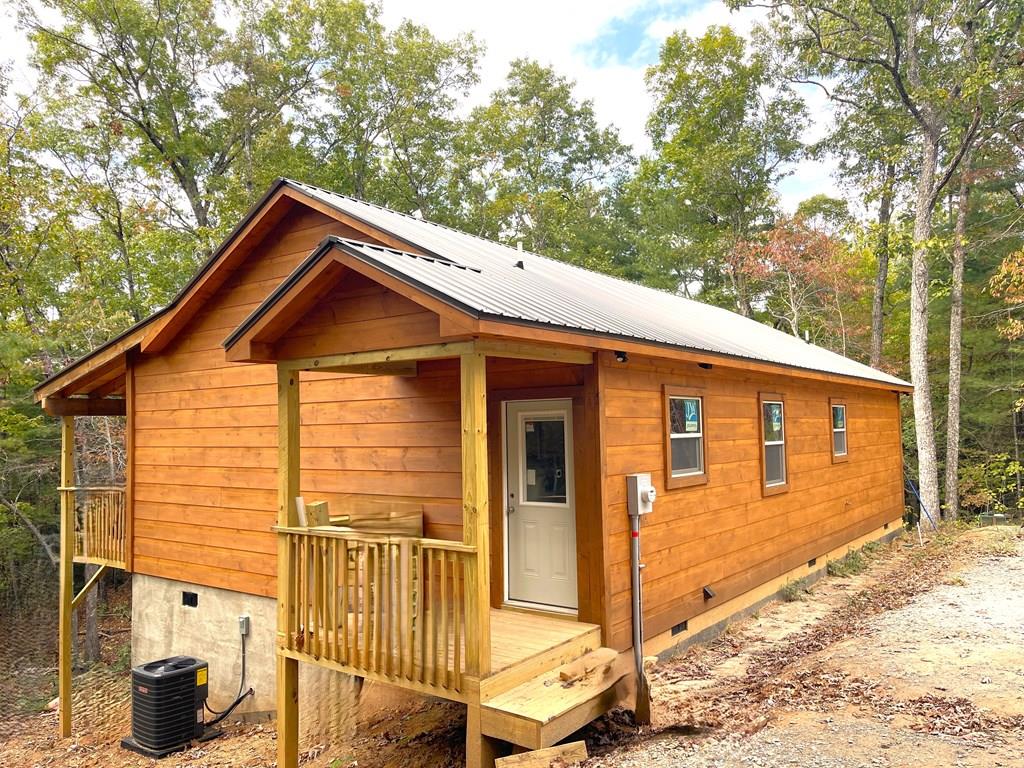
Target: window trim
<point>695,478</point>
<point>772,397</point>
<point>839,458</point>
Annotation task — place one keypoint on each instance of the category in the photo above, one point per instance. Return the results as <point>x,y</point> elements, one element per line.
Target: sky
<point>603,45</point>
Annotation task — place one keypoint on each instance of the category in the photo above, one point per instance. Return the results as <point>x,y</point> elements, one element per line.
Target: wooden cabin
<point>468,414</point>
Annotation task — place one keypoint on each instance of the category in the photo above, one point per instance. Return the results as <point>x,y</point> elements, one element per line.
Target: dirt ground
<point>916,661</point>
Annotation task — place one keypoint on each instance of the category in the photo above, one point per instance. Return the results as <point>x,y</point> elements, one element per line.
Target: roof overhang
<point>281,198</point>
<point>253,340</point>
<point>98,375</point>
<point>156,332</point>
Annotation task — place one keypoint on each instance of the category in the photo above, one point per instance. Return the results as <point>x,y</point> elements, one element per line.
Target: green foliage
<point>723,127</point>
<point>993,485</point>
<point>537,168</point>
<point>794,591</point>
<point>851,564</point>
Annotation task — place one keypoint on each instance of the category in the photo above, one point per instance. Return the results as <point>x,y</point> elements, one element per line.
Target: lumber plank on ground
<point>559,755</point>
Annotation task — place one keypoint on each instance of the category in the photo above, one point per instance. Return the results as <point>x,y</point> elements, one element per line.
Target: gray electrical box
<point>640,494</point>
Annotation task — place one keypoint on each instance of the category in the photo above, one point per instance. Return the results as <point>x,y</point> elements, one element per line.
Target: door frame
<point>570,432</point>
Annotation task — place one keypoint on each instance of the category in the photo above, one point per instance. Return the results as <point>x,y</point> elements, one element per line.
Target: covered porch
<point>95,520</point>
<point>424,613</point>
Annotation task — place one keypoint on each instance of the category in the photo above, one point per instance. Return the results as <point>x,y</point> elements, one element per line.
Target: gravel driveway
<point>918,662</point>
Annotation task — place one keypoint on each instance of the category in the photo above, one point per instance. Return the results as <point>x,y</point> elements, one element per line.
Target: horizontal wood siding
<point>726,534</point>
<point>205,492</point>
<point>206,430</point>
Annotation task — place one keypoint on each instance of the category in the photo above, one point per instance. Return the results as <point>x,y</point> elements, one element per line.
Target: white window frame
<point>832,424</point>
<point>765,443</point>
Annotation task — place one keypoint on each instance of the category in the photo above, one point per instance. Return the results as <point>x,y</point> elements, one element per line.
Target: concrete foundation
<point>163,626</point>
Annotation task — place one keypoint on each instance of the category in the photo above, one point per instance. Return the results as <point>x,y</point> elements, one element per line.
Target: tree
<point>723,127</point>
<point>536,167</point>
<point>942,62</point>
<point>870,138</point>
<point>193,96</point>
<point>384,123</point>
<point>956,312</point>
<point>803,276</point>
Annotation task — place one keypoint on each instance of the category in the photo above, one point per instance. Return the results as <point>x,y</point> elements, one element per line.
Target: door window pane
<point>544,460</point>
<point>774,464</point>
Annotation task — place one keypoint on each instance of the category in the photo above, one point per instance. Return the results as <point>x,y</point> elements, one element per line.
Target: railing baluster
<point>384,640</point>
<point>443,669</point>
<point>365,599</point>
<point>407,586</point>
<point>394,608</point>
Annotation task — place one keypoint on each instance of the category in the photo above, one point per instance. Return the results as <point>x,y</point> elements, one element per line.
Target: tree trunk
<point>92,630</point>
<point>924,421</point>
<point>882,270</point>
<point>956,313</point>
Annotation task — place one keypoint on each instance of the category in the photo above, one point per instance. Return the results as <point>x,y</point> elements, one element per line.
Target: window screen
<point>773,417</point>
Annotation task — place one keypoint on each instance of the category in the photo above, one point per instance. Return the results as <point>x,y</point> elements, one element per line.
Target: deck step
<point>545,709</point>
<point>563,649</point>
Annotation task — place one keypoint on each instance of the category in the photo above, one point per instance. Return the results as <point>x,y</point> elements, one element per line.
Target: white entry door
<point>540,511</point>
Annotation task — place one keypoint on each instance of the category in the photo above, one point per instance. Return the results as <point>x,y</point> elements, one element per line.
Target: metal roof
<point>544,291</point>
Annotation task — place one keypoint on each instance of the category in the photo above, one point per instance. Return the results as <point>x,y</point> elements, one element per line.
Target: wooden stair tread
<point>546,697</point>
<point>524,646</point>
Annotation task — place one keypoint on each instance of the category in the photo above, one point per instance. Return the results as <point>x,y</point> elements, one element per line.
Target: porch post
<point>288,490</point>
<point>475,517</point>
<point>67,560</point>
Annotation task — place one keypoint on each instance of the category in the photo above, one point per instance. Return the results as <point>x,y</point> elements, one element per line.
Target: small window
<point>685,460</point>
<point>773,443</point>
<point>839,440</point>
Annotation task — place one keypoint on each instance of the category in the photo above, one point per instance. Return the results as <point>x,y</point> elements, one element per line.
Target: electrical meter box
<point>640,494</point>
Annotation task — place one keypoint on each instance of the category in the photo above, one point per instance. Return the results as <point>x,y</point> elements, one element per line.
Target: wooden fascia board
<point>438,307</point>
<point>508,330</point>
<point>84,406</point>
<point>230,256</point>
<point>257,343</point>
<point>85,368</point>
<point>240,243</point>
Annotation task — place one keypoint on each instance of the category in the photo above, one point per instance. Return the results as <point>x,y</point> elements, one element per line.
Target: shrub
<point>794,591</point>
<point>850,565</point>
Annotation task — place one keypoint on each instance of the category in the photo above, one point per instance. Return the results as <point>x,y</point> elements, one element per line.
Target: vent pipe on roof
<point>519,245</point>
<point>520,265</point>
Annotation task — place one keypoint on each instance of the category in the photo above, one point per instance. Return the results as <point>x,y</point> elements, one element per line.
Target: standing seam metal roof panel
<point>551,292</point>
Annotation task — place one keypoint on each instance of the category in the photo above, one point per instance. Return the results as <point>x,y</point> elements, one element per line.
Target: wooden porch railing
<point>384,607</point>
<point>100,524</point>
